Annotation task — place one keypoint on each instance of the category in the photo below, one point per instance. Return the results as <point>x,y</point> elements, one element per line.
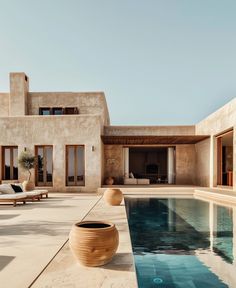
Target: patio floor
<point>34,250</point>
<point>34,234</point>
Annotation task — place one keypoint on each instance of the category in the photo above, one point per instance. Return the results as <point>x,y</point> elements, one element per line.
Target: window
<point>71,110</point>
<point>10,163</point>
<point>57,111</point>
<point>75,165</point>
<point>44,171</point>
<point>44,111</point>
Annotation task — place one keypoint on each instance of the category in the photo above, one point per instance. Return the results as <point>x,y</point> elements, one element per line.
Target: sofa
<point>131,180</point>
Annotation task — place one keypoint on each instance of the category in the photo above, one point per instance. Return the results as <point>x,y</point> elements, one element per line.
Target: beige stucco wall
<point>185,165</point>
<point>4,104</point>
<point>149,130</point>
<point>216,123</point>
<point>114,162</point>
<point>58,131</point>
<point>203,163</point>
<point>87,102</point>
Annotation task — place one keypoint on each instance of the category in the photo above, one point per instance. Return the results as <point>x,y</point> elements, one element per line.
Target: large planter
<point>93,243</point>
<point>28,186</point>
<point>113,196</point>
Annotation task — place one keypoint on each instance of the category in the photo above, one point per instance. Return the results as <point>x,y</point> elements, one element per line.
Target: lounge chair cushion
<point>33,193</point>
<point>6,189</point>
<point>13,196</point>
<point>40,190</point>
<point>131,175</point>
<point>130,181</point>
<point>143,181</point>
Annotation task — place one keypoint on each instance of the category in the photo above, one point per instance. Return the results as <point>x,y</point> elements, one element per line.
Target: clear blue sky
<point>158,61</point>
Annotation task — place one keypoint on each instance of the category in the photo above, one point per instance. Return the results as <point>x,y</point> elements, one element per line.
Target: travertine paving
<point>31,234</point>
<point>64,271</point>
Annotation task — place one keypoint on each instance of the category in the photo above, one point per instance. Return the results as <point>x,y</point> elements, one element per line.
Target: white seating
<point>14,198</point>
<point>136,181</point>
<point>20,195</point>
<point>130,181</point>
<point>33,195</point>
<point>7,194</point>
<point>143,181</point>
<point>42,192</point>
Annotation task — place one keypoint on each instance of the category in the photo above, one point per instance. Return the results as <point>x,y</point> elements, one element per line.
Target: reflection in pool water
<point>183,243</point>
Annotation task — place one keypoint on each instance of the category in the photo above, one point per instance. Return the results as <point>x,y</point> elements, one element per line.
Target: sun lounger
<point>14,198</point>
<point>43,192</point>
<point>9,193</point>
<point>33,195</point>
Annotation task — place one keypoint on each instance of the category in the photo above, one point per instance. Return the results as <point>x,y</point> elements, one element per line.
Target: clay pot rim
<point>110,227</point>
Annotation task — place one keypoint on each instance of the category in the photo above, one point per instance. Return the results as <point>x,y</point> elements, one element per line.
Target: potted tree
<point>26,161</point>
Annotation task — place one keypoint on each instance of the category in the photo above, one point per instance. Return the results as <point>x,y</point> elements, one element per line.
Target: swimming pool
<point>184,243</point>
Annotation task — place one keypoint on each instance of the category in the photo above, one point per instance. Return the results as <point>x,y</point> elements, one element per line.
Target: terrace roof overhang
<point>152,139</point>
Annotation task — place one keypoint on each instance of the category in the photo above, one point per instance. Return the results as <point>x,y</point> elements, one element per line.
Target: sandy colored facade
<point>22,126</point>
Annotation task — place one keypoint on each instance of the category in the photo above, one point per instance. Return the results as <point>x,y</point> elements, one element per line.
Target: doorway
<point>225,159</point>
<point>154,163</point>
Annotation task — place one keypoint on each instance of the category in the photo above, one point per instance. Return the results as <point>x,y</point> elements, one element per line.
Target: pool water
<point>184,243</point>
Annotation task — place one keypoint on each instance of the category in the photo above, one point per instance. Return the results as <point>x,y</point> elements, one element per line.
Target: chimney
<point>19,88</point>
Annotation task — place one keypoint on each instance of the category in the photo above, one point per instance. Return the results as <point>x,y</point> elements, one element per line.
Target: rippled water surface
<point>184,243</point>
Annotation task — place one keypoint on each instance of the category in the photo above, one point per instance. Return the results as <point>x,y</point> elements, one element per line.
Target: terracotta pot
<point>113,196</point>
<point>28,186</point>
<point>109,181</point>
<point>93,243</point>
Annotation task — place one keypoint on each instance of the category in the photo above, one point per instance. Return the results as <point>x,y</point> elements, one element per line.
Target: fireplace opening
<point>152,169</point>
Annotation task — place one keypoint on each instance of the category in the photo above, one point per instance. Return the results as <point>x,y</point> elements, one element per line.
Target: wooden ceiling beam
<point>153,140</point>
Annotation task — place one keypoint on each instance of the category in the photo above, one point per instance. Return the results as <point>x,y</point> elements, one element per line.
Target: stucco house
<point>77,148</point>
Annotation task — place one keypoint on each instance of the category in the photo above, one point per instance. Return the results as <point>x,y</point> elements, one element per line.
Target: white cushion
<point>131,175</point>
<point>40,191</point>
<point>143,181</point>
<point>6,189</point>
<point>32,193</point>
<point>13,196</point>
<point>130,181</point>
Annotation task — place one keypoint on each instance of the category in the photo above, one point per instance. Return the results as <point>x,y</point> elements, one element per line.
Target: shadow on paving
<point>34,227</point>
<point>5,260</point>
<point>32,205</point>
<point>10,216</point>
<point>120,262</point>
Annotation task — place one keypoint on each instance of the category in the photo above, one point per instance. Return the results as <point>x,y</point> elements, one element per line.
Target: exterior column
<point>171,161</point>
<point>213,162</point>
<point>126,162</point>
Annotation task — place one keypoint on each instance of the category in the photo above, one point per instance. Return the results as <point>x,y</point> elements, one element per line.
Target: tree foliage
<point>26,161</point>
